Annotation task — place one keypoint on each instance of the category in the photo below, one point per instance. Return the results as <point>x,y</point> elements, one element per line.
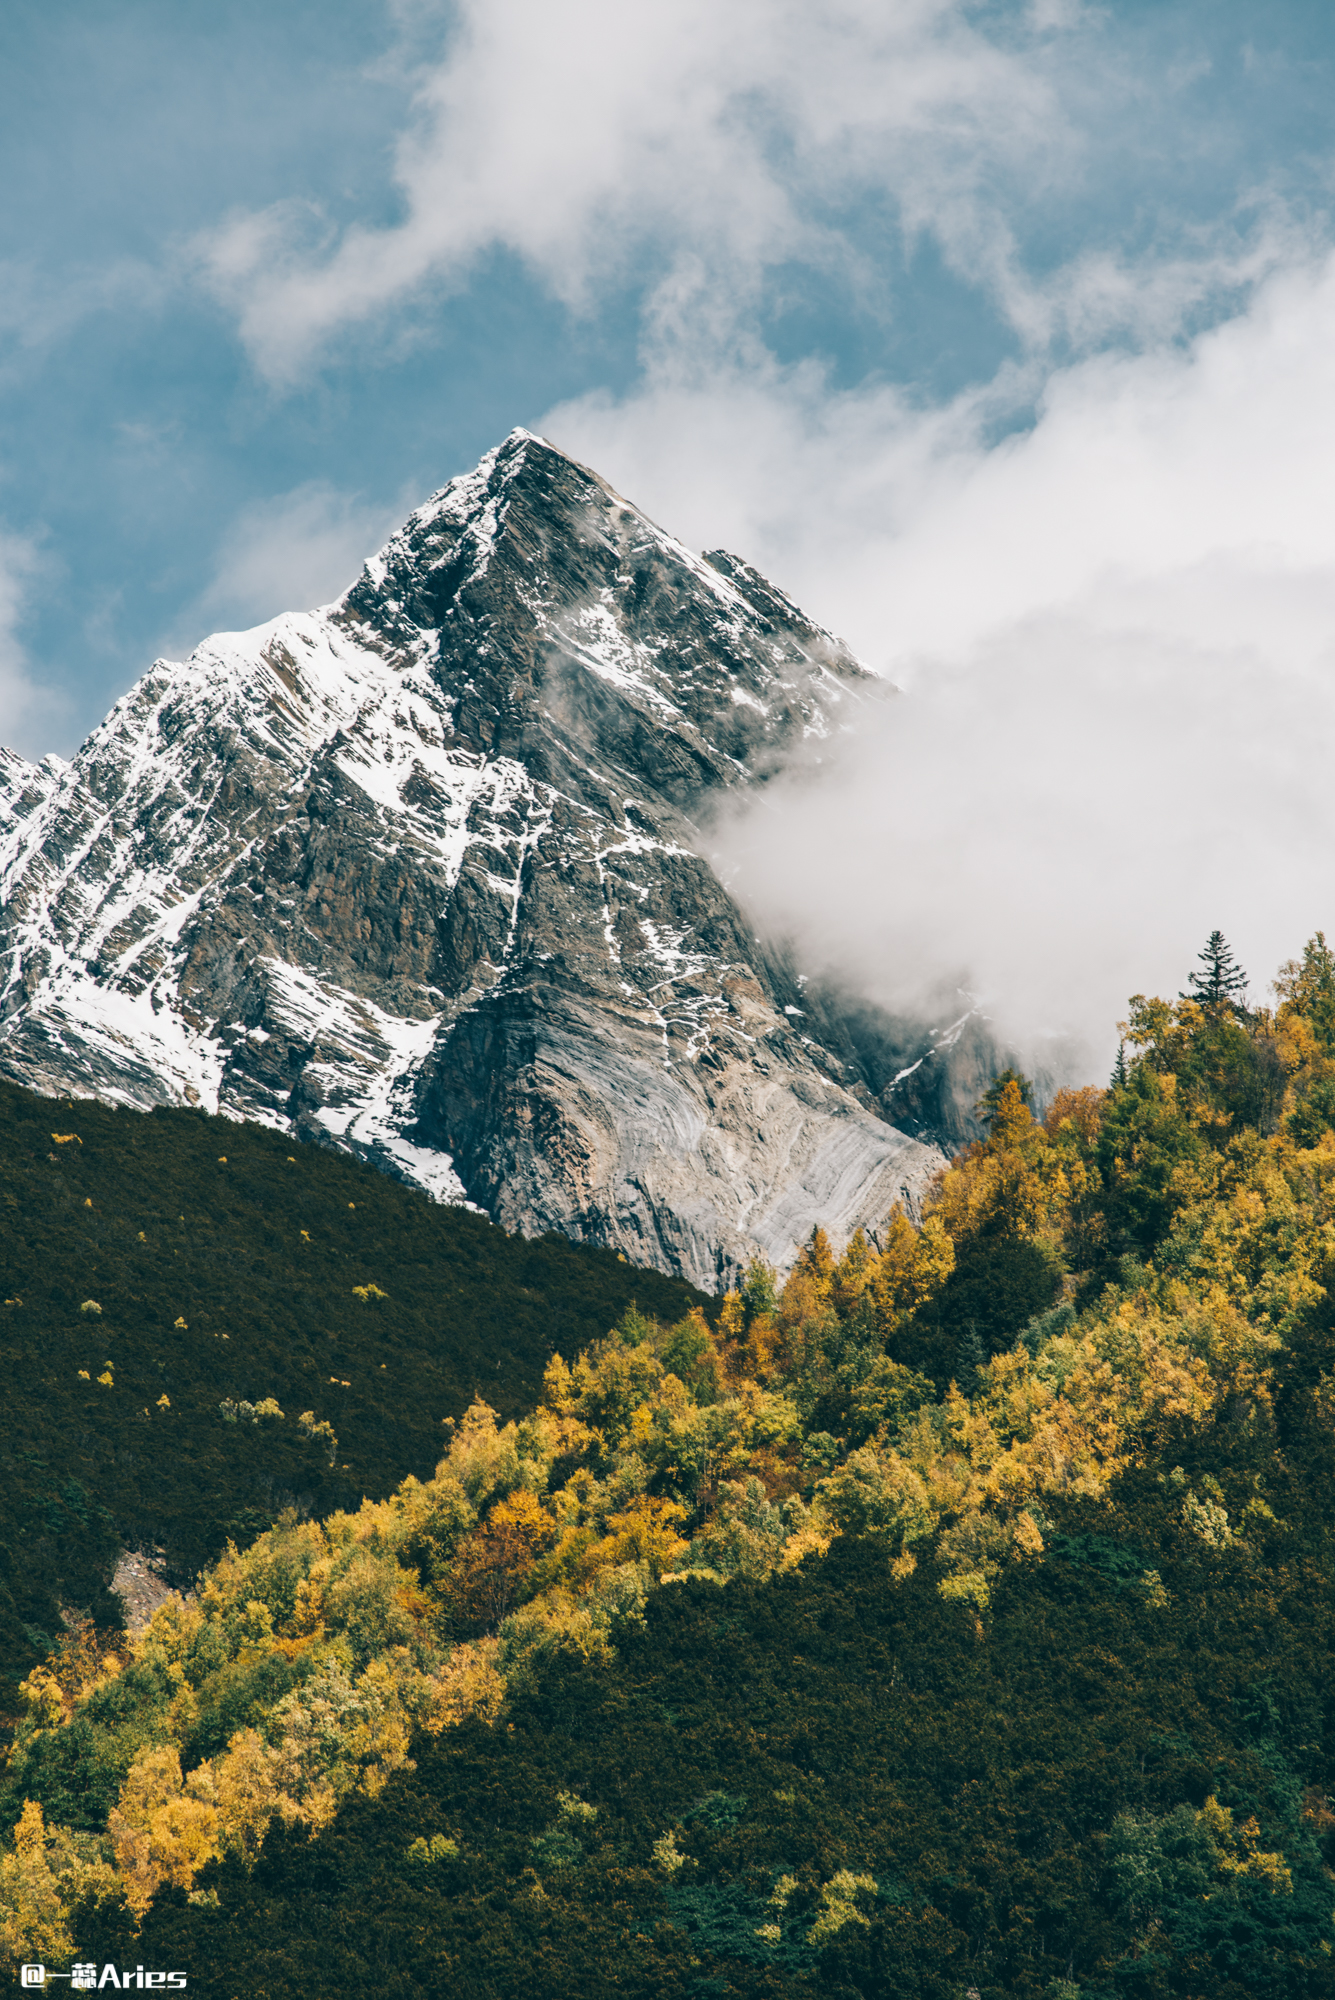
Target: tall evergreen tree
<point>1223,982</point>
<point>1120,1074</point>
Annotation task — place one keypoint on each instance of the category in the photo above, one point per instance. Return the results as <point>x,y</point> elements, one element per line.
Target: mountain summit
<point>417,875</point>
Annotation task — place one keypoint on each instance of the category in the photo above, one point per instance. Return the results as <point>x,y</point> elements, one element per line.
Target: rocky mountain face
<point>926,1075</point>
<point>418,875</point>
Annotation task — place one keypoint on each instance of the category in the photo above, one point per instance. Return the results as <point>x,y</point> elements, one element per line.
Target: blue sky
<point>864,291</point>
<point>150,435</point>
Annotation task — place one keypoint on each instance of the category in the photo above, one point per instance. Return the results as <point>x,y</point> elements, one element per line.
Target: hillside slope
<point>956,1616</point>
<point>191,1262</point>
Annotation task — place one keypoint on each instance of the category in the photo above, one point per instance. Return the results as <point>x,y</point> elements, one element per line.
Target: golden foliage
<point>1025,1177</point>
<point>1236,1850</point>
<point>839,1905</point>
<point>709,1450</point>
<point>161,1830</point>
<point>46,1872</point>
<point>912,1267</point>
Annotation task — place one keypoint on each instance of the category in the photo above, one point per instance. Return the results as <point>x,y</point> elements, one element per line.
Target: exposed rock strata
<point>417,875</point>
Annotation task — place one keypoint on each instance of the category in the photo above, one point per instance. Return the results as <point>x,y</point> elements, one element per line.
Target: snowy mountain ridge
<point>417,874</point>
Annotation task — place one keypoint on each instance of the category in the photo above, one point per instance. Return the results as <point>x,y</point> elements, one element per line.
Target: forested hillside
<point>954,1618</point>
<point>164,1272</point>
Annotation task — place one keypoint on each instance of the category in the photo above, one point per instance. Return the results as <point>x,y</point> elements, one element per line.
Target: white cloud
<point>1117,629</point>
<point>587,137</point>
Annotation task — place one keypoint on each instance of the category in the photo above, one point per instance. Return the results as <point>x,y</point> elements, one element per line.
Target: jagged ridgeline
<point>419,875</point>
<point>954,1615</point>
<point>159,1267</point>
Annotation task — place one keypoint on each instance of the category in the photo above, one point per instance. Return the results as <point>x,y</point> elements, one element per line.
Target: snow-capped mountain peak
<point>416,874</point>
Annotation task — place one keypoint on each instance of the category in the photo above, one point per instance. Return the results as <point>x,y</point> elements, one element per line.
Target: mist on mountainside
<point>1111,614</point>
<point>1043,830</point>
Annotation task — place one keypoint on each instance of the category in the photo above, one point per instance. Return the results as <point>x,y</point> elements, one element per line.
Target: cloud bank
<point>1115,633</point>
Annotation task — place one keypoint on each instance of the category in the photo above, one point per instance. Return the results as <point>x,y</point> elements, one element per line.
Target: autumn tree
<point>913,1266</point>
<point>492,1567</point>
<point>1002,1207</point>
<point>1305,1026</point>
<point>1228,1066</point>
<point>817,1260</point>
<point>1306,988</point>
<point>1007,1184</point>
<point>854,1273</point>
<point>1000,1102</point>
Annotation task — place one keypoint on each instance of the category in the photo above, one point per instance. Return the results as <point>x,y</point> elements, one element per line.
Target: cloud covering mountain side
<point>1115,633</point>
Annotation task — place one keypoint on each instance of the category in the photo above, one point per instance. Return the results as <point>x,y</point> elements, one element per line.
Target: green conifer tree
<point>760,1297</point>
<point>970,1359</point>
<point>1223,982</point>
